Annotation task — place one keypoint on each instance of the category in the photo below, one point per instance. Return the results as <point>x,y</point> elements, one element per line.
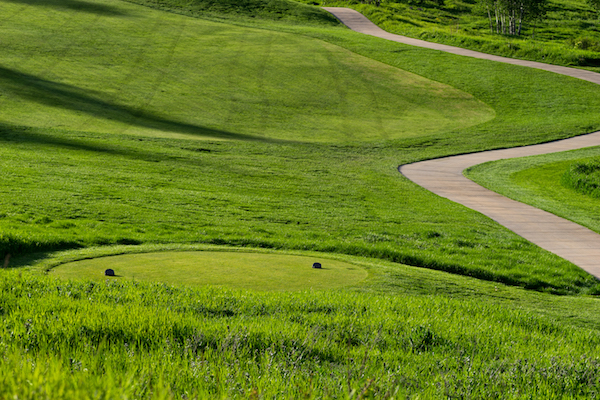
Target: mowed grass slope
<point>146,72</point>
<point>121,171</point>
<point>79,190</point>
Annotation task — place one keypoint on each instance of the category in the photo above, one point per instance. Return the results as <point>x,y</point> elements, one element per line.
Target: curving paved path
<point>359,23</point>
<point>444,176</point>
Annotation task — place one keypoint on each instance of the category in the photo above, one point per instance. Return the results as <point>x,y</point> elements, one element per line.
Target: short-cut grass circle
<point>256,271</point>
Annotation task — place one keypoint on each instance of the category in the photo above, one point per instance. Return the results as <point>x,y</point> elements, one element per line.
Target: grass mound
<point>182,77</point>
<point>584,177</point>
<point>257,271</point>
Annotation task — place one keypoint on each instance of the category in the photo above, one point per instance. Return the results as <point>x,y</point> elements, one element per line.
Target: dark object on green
<point>317,265</point>
<point>109,272</point>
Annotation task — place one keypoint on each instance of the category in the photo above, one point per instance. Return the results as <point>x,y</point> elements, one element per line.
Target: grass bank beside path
<point>538,181</point>
<point>80,190</point>
<point>568,35</point>
<point>270,10</point>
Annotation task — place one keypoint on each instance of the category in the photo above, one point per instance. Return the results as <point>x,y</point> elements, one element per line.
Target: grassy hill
<point>117,157</point>
<point>127,129</point>
<point>568,34</point>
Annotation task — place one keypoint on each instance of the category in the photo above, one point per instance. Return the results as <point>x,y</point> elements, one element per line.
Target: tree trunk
<point>512,27</point>
<point>497,19</point>
<point>522,11</point>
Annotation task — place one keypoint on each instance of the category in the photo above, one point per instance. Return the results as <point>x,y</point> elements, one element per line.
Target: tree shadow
<point>17,134</point>
<point>55,94</point>
<point>74,5</point>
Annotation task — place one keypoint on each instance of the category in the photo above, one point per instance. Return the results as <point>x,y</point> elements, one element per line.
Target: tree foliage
<point>507,16</point>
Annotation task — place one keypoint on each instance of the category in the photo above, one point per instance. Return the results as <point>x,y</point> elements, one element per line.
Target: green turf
<point>79,188</point>
<point>268,272</point>
<point>262,10</point>
<point>568,35</point>
<point>584,177</point>
<point>402,332</point>
<point>538,181</point>
<point>173,76</point>
<point>95,191</point>
<point>428,335</point>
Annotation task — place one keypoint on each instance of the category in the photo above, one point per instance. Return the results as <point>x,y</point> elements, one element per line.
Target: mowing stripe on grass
<point>150,73</point>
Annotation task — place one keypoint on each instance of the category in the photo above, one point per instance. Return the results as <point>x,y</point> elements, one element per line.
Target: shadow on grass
<point>55,94</point>
<point>17,134</point>
<point>74,5</point>
<point>25,252</point>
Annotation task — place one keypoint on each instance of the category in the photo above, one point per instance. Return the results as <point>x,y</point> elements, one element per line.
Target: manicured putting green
<point>269,272</point>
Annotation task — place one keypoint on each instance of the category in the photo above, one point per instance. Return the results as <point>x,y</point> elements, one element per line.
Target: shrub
<point>584,177</point>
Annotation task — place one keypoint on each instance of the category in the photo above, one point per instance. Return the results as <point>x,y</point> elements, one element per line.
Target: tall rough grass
<point>134,340</point>
<point>584,177</point>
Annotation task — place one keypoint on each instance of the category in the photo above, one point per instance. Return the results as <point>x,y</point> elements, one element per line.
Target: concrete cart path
<point>359,23</point>
<point>444,176</point>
